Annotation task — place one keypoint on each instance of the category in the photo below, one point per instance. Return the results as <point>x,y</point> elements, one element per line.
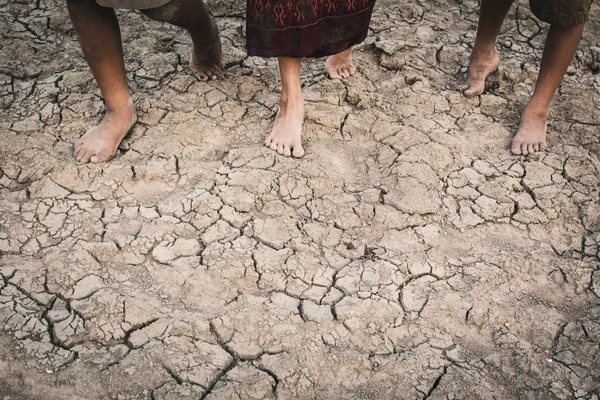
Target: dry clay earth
<point>408,256</point>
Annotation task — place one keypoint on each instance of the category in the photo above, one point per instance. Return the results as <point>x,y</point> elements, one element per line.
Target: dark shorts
<point>305,28</point>
<point>132,4</point>
<point>561,12</point>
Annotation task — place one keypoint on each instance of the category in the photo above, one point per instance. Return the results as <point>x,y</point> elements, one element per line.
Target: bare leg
<point>561,44</point>
<point>340,66</point>
<point>484,58</point>
<point>286,136</point>
<point>100,39</point>
<point>192,15</point>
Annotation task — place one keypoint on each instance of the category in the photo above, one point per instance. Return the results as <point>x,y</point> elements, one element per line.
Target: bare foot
<point>480,67</point>
<point>206,62</point>
<point>531,136</point>
<point>340,66</point>
<point>286,136</point>
<point>100,143</point>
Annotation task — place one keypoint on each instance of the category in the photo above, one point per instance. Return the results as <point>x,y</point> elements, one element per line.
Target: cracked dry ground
<point>408,256</point>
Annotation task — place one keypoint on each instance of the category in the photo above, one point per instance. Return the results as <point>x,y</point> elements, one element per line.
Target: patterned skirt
<point>305,28</point>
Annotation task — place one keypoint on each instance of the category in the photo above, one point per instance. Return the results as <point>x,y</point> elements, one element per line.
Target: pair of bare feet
<point>285,138</point>
<point>531,136</point>
<point>100,143</point>
<point>286,135</point>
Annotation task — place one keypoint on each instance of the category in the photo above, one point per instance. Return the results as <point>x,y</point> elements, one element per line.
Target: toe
<point>273,145</point>
<point>472,91</point>
<point>268,141</point>
<point>333,74</point>
<point>287,151</point>
<point>543,146</point>
<point>530,148</point>
<point>524,150</point>
<point>280,149</point>
<point>79,147</point>
<point>200,76</point>
<point>298,151</point>
<point>80,153</point>
<point>85,157</point>
<point>515,148</point>
<point>351,69</point>
<point>101,157</point>
<point>218,73</point>
<point>536,147</point>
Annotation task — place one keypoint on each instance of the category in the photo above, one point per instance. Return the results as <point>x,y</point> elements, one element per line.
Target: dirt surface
<point>408,256</point>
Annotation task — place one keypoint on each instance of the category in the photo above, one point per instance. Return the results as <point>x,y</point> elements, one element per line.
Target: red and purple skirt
<point>305,28</point>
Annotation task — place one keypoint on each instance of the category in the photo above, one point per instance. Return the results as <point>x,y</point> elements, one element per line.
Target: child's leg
<point>286,136</point>
<point>561,44</point>
<point>100,39</point>
<point>484,58</point>
<point>192,15</point>
<point>340,65</point>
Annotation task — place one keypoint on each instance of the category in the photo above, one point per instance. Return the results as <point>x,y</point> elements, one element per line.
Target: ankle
<point>484,52</point>
<point>343,55</point>
<point>123,108</point>
<point>291,100</point>
<point>538,111</point>
<point>538,108</point>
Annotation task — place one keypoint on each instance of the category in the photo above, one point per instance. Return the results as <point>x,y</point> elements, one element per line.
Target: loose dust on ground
<point>407,256</point>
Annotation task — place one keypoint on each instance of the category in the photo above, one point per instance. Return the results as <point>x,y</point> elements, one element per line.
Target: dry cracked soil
<point>407,256</point>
